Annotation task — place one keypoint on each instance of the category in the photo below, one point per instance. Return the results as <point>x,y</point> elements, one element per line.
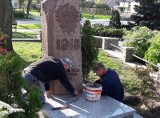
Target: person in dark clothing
<point>46,69</point>
<point>111,84</point>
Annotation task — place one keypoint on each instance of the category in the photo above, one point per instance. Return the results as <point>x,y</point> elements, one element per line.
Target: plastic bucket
<point>93,91</point>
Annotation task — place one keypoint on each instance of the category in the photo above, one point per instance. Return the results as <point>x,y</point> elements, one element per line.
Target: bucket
<point>93,91</point>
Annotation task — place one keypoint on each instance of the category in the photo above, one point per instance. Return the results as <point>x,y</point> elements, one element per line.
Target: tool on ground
<point>67,103</point>
<point>60,108</point>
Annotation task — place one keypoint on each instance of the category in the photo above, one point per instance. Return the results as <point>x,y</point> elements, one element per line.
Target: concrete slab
<point>79,107</point>
<point>137,116</point>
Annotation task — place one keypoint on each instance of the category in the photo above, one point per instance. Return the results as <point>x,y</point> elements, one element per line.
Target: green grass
<point>89,16</point>
<point>29,26</point>
<point>24,35</point>
<point>34,12</point>
<point>31,52</point>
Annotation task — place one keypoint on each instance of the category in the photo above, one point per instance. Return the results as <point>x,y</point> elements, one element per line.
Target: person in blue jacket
<point>109,79</point>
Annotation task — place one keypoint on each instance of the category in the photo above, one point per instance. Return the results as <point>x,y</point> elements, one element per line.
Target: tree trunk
<point>6,21</point>
<point>28,7</point>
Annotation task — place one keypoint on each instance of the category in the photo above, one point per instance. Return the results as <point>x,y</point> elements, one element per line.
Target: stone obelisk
<point>61,38</point>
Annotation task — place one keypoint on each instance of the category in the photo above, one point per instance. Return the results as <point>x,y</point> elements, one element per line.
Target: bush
<point>19,14</point>
<point>153,53</point>
<point>89,49</point>
<point>139,38</point>
<point>100,30</point>
<point>147,83</point>
<point>6,109</point>
<point>11,84</point>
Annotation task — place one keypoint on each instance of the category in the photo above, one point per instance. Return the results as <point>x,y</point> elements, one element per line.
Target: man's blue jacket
<point>111,85</point>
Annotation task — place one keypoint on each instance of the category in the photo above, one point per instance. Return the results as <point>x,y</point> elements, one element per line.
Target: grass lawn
<point>34,12</point>
<point>89,16</point>
<point>29,26</point>
<point>31,52</point>
<point>24,35</point>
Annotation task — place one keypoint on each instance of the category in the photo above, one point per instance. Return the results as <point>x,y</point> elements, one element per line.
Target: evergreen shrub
<point>89,49</point>
<point>115,19</point>
<point>11,85</point>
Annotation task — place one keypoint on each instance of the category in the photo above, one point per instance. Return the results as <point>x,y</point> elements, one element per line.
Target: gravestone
<point>61,38</point>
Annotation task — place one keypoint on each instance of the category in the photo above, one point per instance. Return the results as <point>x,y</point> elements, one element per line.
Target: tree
<point>148,14</point>
<point>6,21</point>
<point>28,7</point>
<point>115,19</point>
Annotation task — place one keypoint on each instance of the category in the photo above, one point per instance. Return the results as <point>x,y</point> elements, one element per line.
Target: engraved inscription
<point>76,44</point>
<point>64,44</point>
<point>58,44</point>
<point>67,16</point>
<point>75,70</point>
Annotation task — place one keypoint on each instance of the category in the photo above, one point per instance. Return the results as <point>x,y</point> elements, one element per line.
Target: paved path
<point>93,21</point>
<point>27,30</point>
<point>28,21</point>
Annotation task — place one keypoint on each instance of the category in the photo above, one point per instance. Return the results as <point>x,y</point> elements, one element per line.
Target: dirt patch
<point>146,107</point>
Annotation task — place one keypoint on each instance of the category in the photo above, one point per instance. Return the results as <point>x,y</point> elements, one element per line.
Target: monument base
<point>79,107</point>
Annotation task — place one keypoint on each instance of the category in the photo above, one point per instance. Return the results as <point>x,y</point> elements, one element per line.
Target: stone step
<point>79,107</point>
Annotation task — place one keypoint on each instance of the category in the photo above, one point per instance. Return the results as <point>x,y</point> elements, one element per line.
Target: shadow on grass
<point>23,35</point>
<point>23,27</point>
<point>23,62</point>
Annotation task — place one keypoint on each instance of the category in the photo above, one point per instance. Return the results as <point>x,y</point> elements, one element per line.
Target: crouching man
<point>109,79</point>
<point>48,68</point>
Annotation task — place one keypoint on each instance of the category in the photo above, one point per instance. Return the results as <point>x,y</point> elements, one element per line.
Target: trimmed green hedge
<point>19,14</point>
<point>100,30</point>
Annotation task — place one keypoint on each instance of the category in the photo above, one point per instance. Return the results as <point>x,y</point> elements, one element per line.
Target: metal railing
<point>116,46</point>
<point>145,60</point>
<point>136,56</point>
